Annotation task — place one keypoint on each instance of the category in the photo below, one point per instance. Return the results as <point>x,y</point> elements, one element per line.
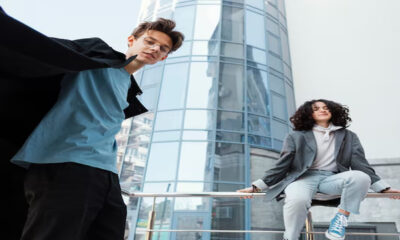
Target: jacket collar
<point>311,142</point>
<point>339,137</point>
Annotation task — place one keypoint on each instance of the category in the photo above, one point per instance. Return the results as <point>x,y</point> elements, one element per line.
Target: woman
<point>321,155</point>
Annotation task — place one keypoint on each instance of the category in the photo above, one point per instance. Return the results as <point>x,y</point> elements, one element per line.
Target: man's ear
<point>131,40</point>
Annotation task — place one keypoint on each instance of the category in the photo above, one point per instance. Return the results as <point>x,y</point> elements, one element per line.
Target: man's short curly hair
<point>163,25</point>
<point>302,119</point>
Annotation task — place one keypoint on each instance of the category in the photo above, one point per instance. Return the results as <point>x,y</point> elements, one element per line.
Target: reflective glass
<point>285,47</point>
<point>198,135</point>
<point>232,50</point>
<point>232,24</point>
<point>230,137</point>
<point>166,136</point>
<point>192,203</point>
<point>272,26</point>
<point>184,18</point>
<point>168,120</point>
<point>255,33</point>
<point>132,171</point>
<point>278,144</point>
<point>195,160</point>
<point>229,213</point>
<point>231,92</point>
<point>287,71</point>
<point>256,55</point>
<point>260,141</point>
<point>259,125</point>
<point>229,162</point>
<point>230,121</point>
<point>184,50</point>
<point>274,44</point>
<point>173,87</point>
<point>290,101</point>
<point>271,10</point>
<point>276,84</point>
<point>191,221</point>
<point>256,3</point>
<point>205,48</point>
<point>207,22</point>
<point>201,92</point>
<point>281,6</point>
<point>149,97</point>
<point>279,107</point>
<point>163,209</point>
<point>162,161</point>
<point>151,76</point>
<point>275,62</point>
<point>257,91</point>
<point>199,119</point>
<point>165,13</point>
<point>279,129</point>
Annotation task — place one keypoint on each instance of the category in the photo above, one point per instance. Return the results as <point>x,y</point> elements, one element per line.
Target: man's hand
<point>391,190</point>
<point>246,190</point>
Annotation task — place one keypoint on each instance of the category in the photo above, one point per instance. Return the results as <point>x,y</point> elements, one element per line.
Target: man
<point>71,185</point>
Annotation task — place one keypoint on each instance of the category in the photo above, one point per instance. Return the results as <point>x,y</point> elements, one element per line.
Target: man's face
<point>151,47</point>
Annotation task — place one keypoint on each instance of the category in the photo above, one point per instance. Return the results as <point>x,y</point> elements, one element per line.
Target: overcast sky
<point>343,50</point>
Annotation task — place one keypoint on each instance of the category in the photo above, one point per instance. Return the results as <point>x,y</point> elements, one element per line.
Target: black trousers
<point>69,201</point>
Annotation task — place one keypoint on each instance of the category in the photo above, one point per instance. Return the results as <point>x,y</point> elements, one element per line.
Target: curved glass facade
<point>225,92</point>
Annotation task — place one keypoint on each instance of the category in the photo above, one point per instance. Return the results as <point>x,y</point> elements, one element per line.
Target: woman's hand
<point>391,190</point>
<point>246,190</point>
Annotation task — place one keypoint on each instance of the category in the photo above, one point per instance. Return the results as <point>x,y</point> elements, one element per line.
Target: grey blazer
<point>298,153</point>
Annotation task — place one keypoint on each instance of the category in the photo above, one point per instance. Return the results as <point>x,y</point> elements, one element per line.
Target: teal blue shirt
<point>82,125</point>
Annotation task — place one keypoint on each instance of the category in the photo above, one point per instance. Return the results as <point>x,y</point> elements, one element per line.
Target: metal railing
<point>308,224</point>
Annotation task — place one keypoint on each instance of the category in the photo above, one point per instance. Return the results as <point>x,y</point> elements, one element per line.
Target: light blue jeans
<point>352,185</point>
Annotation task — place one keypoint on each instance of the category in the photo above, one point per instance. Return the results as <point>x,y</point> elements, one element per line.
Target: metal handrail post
<point>150,222</point>
<point>309,227</point>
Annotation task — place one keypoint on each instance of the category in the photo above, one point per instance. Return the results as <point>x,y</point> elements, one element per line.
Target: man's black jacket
<point>31,68</point>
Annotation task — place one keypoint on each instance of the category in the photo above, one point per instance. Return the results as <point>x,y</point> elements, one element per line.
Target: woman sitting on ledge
<point>320,155</point>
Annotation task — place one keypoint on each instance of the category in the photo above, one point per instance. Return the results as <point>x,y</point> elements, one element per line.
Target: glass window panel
<point>192,203</point>
<point>165,13</point>
<point>151,76</point>
<point>168,120</point>
<point>272,26</point>
<point>257,91</point>
<point>195,161</point>
<point>285,47</point>
<point>271,10</point>
<point>207,22</point>
<point>290,101</point>
<point>201,92</point>
<point>199,119</point>
<point>256,3</point>
<point>230,137</point>
<point>281,6</point>
<point>272,1</point>
<point>149,97</point>
<point>279,130</point>
<point>259,125</point>
<point>184,50</point>
<point>162,161</point>
<point>166,136</point>
<point>278,144</point>
<point>232,24</point>
<point>279,107</point>
<point>255,35</point>
<point>184,17</point>
<point>275,62</point>
<point>274,44</point>
<point>287,71</point>
<point>260,141</point>
<point>228,213</point>
<point>229,162</point>
<point>163,209</point>
<point>205,48</point>
<point>173,87</point>
<point>276,84</point>
<point>256,55</point>
<point>231,92</point>
<point>132,171</point>
<point>232,50</point>
<point>198,135</point>
<point>230,121</point>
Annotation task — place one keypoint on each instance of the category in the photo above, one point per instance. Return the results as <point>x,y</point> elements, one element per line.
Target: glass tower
<point>218,113</point>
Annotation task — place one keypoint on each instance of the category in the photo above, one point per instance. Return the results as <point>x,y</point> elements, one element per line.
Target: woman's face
<point>321,112</point>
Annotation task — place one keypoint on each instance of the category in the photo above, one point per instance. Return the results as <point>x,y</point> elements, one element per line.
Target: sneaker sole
<point>331,237</point>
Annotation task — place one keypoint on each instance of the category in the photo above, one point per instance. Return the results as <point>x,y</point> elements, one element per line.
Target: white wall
<point>349,51</point>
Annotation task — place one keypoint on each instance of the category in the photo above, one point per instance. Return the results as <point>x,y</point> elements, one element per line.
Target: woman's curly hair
<point>302,119</point>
